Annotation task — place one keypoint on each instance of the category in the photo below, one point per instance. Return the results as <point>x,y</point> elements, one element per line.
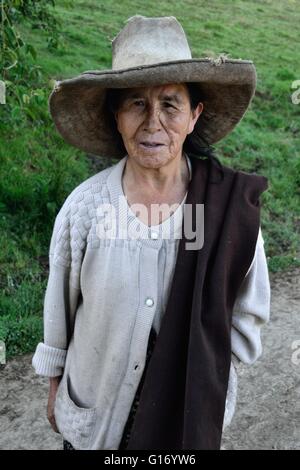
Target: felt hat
<point>150,52</point>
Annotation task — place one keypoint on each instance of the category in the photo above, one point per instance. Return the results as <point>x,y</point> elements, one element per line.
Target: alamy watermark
<point>2,353</point>
<point>123,223</point>
<point>295,97</point>
<point>296,354</point>
<point>2,92</point>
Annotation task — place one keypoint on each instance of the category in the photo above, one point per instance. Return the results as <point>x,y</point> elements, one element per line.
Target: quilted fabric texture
<point>76,424</point>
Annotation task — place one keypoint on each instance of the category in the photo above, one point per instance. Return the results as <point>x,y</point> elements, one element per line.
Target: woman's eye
<point>138,103</point>
<point>168,105</point>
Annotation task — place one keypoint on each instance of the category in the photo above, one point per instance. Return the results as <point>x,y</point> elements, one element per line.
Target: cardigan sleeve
<point>251,309</point>
<point>60,301</point>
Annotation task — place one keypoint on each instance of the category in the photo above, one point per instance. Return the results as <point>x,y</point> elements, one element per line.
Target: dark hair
<point>193,144</point>
<point>112,103</point>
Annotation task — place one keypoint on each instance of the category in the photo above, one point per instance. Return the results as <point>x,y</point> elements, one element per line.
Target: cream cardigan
<point>112,291</point>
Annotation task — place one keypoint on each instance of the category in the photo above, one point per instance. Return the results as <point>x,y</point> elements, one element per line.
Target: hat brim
<point>77,105</point>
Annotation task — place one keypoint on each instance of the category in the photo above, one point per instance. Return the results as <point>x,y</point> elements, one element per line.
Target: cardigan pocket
<point>76,424</point>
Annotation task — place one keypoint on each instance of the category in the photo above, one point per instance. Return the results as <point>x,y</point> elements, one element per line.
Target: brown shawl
<point>182,401</point>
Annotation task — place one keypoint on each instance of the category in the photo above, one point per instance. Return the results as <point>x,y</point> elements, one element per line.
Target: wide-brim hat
<point>149,52</point>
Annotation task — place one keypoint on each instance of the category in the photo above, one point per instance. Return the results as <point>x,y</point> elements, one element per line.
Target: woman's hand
<point>54,382</point>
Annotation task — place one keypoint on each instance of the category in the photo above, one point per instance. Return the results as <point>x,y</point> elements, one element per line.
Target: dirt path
<point>268,408</point>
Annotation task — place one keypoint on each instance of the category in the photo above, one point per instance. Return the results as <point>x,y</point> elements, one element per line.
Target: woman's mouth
<point>151,145</point>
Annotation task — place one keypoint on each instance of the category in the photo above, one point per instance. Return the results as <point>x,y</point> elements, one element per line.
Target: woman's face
<point>154,122</point>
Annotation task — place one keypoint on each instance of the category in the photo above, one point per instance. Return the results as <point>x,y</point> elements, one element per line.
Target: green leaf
<point>31,50</point>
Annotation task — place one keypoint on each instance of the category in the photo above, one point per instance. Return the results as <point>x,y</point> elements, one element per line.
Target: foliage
<point>25,93</point>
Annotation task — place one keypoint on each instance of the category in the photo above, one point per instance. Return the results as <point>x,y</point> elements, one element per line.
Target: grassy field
<point>38,170</point>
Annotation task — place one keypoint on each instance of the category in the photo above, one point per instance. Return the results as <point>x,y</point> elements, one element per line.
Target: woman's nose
<point>152,118</point>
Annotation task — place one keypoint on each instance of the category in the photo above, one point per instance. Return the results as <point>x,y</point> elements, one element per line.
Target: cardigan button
<point>154,235</point>
<point>149,302</point>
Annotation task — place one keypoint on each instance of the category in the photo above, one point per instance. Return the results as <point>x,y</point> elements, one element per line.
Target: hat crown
<point>146,41</point>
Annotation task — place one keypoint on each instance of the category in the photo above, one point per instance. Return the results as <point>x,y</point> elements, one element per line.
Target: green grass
<point>38,169</point>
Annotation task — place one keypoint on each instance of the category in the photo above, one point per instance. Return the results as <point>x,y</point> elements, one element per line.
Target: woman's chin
<point>153,160</point>
<point>150,158</point>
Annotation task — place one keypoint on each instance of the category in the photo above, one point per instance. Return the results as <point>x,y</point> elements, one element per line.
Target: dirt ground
<point>268,408</point>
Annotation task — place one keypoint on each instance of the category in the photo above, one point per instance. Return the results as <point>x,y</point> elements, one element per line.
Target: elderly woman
<point>144,328</point>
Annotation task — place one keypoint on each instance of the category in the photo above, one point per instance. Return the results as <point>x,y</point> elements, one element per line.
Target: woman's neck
<point>167,182</point>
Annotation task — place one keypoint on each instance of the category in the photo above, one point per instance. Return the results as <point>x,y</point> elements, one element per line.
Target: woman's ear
<point>195,115</point>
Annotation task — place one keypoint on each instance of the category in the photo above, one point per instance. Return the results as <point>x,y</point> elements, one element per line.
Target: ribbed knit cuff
<point>49,361</point>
